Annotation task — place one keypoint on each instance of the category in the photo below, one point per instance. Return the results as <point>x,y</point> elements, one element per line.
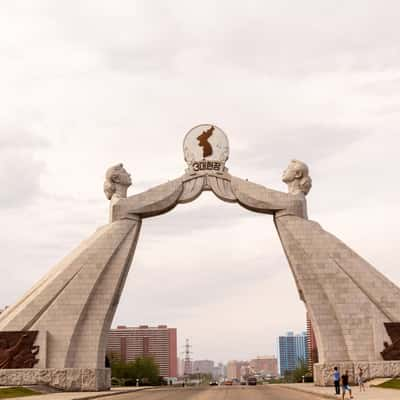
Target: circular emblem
<point>206,147</point>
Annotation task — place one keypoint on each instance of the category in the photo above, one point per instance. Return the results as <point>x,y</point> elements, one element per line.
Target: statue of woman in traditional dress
<point>76,301</point>
<point>337,286</point>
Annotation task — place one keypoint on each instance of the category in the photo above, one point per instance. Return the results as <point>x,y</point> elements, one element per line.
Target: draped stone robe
<point>347,298</point>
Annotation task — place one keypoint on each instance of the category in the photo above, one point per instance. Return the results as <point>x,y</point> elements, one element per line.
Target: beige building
<point>265,365</point>
<point>181,367</point>
<point>234,369</point>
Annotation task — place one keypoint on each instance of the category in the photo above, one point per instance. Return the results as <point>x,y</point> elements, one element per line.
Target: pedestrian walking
<point>336,380</point>
<point>360,379</point>
<point>345,385</point>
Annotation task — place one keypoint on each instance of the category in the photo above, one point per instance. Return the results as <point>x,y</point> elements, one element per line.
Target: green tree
<point>143,368</point>
<point>297,374</point>
<point>147,370</point>
<point>300,371</point>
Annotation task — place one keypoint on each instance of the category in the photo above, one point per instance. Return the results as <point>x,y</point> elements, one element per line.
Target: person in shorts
<point>345,385</point>
<point>360,379</point>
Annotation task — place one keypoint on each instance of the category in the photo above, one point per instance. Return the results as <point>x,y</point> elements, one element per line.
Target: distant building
<point>246,371</point>
<point>181,367</point>
<point>234,369</point>
<point>292,349</point>
<point>129,343</point>
<point>187,367</point>
<point>312,349</point>
<point>266,365</point>
<point>219,371</point>
<point>203,367</point>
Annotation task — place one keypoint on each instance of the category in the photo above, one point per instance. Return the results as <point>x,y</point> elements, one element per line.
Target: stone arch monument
<point>57,333</point>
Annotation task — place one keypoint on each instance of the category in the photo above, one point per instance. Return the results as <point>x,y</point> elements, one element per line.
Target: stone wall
<point>323,373</point>
<point>67,379</point>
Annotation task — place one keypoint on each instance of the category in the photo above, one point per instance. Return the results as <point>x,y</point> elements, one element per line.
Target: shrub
<point>143,368</point>
<point>116,381</point>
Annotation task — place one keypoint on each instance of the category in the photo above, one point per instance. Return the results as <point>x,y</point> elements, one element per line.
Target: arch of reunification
<point>56,334</point>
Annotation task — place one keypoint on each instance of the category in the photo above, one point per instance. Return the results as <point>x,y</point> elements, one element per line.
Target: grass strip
<point>9,393</point>
<point>392,384</point>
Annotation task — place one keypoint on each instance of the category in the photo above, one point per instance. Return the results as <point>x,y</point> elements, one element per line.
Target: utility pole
<point>187,366</point>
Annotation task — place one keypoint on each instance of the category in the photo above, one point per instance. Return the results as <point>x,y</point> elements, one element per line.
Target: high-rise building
<point>266,365</point>
<point>203,367</point>
<point>292,349</point>
<point>312,349</point>
<point>129,343</point>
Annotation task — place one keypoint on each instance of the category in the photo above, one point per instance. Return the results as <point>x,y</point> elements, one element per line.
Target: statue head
<point>297,178</point>
<point>117,181</point>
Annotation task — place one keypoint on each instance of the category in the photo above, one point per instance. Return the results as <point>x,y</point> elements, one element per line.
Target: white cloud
<point>20,169</point>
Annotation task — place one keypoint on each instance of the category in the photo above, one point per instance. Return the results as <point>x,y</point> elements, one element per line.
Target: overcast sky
<point>86,84</point>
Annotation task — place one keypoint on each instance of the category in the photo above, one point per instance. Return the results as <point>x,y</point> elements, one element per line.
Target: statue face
<point>123,178</point>
<point>290,173</point>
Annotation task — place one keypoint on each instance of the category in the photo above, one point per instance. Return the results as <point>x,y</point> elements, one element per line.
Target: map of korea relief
<point>204,143</point>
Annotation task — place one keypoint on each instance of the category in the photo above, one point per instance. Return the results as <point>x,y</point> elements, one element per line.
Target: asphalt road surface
<point>265,392</point>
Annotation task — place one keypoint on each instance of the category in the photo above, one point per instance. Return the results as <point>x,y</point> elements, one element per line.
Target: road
<point>266,392</point>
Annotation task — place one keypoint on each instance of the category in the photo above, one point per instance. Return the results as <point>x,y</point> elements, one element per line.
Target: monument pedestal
<point>66,379</point>
<point>323,373</point>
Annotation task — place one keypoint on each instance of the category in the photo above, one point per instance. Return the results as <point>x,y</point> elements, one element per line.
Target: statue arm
<point>154,201</point>
<point>259,198</point>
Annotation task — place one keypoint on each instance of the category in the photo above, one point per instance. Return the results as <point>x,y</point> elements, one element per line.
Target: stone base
<point>66,379</point>
<point>323,373</point>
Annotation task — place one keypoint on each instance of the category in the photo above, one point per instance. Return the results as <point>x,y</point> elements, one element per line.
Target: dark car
<point>252,380</point>
<point>213,383</point>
